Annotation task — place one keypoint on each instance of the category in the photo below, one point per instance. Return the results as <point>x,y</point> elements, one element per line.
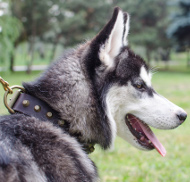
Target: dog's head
<point>123,81</point>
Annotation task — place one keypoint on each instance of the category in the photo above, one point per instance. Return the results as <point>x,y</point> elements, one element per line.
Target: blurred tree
<point>10,28</point>
<point>58,22</point>
<point>149,23</point>
<point>36,18</point>
<point>179,29</point>
<point>71,21</point>
<point>76,21</point>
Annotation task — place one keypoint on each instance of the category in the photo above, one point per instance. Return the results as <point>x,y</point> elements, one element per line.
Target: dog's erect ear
<point>113,37</point>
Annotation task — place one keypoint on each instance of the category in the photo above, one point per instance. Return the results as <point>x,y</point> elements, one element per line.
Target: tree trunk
<point>12,62</point>
<point>55,44</point>
<point>32,41</point>
<point>54,50</point>
<point>31,57</point>
<point>12,59</point>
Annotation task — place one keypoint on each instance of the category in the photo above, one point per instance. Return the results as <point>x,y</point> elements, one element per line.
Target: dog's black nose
<point>182,116</point>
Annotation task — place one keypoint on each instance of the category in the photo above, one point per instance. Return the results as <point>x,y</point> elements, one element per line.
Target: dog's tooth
<point>135,129</point>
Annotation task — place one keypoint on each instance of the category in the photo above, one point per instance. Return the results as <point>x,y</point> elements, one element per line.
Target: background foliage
<point>48,26</point>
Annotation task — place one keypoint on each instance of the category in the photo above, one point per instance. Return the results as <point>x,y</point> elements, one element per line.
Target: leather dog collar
<point>32,106</point>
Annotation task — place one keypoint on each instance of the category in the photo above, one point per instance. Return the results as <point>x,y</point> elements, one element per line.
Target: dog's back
<point>32,150</point>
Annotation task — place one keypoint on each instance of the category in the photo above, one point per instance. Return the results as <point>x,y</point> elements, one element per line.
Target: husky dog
<point>100,89</point>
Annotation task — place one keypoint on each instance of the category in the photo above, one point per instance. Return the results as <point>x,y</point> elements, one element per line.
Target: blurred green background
<point>34,33</point>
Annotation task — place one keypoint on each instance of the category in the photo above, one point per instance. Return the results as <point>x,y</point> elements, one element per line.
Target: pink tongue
<point>150,135</point>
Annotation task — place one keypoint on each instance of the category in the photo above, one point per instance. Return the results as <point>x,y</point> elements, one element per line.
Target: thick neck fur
<point>67,87</point>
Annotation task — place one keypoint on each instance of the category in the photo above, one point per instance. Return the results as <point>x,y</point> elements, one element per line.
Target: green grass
<point>128,164</point>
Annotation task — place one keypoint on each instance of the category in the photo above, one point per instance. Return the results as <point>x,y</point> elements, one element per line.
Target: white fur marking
<point>146,76</point>
<point>112,125</point>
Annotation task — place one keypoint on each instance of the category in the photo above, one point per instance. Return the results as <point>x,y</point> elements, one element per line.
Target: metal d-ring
<point>21,89</point>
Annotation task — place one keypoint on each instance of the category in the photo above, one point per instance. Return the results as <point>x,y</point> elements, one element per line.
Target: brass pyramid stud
<point>37,108</point>
<point>25,103</point>
<point>49,114</point>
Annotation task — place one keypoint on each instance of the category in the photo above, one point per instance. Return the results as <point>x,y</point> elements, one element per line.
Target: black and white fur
<point>93,88</point>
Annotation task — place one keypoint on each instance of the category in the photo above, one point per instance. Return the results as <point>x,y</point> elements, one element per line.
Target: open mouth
<point>144,134</point>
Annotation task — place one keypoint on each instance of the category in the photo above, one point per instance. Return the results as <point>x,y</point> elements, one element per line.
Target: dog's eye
<point>139,85</point>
